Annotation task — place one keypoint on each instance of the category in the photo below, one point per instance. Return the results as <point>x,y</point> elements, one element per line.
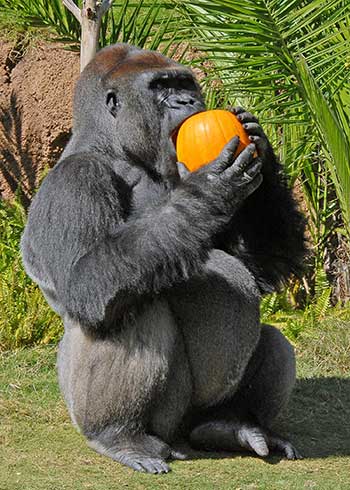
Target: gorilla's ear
<point>112,102</point>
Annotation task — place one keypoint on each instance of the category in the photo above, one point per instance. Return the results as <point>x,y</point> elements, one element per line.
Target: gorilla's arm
<point>267,232</point>
<point>93,253</point>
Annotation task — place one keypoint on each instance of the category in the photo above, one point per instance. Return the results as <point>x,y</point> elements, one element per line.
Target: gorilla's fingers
<point>261,143</point>
<point>236,110</point>
<point>163,467</point>
<point>241,162</point>
<point>226,156</point>
<point>156,466</point>
<point>254,129</point>
<point>254,184</point>
<point>229,150</point>
<point>247,117</point>
<point>254,169</point>
<point>149,467</point>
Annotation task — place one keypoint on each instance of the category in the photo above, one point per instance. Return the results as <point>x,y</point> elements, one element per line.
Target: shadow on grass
<point>318,418</point>
<point>317,421</point>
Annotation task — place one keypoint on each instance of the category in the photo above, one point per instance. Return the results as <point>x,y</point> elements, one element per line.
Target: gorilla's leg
<point>265,388</point>
<point>114,387</point>
<point>218,314</point>
<point>235,435</point>
<point>269,378</point>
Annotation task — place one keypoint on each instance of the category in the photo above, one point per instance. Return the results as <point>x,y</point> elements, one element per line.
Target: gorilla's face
<point>148,109</point>
<point>177,96</point>
<point>145,97</point>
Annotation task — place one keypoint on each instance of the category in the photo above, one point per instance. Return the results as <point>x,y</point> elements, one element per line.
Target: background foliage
<point>25,317</point>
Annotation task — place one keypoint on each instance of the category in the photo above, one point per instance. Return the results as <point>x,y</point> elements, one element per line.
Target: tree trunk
<point>90,30</point>
<point>89,17</point>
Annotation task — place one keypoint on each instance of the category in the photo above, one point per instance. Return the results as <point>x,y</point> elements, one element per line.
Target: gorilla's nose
<point>181,101</point>
<point>185,100</point>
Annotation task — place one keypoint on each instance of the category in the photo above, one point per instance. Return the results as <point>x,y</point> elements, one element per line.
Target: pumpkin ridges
<point>226,131</point>
<point>229,133</point>
<point>208,143</point>
<point>202,148</point>
<point>202,136</point>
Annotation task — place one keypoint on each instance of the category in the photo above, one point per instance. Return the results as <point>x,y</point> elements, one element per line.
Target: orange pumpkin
<point>201,137</point>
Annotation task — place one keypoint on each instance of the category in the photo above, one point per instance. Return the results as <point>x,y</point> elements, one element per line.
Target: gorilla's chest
<point>147,194</point>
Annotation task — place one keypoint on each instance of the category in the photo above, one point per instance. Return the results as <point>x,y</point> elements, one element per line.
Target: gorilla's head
<point>131,101</point>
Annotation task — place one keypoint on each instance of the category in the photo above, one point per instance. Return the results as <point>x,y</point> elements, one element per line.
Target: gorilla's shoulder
<point>85,179</point>
<point>79,168</point>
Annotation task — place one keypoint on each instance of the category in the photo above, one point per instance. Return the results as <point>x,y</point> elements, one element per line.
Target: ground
<point>40,450</point>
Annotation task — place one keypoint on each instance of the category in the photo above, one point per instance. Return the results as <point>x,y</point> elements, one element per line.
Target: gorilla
<point>157,272</point>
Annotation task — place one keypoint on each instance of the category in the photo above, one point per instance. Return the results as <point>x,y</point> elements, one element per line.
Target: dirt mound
<point>35,112</point>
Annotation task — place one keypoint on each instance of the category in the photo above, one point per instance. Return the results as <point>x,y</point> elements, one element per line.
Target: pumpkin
<point>202,136</point>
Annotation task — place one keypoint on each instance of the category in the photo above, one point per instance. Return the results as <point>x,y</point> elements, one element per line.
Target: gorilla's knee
<point>278,355</point>
<point>269,377</point>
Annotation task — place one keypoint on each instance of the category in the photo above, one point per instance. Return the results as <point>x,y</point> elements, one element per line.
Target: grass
<point>25,317</point>
<point>40,450</point>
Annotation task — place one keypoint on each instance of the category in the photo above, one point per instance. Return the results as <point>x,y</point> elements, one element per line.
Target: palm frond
<point>262,40</point>
<point>335,140</point>
<point>145,23</point>
<point>44,14</point>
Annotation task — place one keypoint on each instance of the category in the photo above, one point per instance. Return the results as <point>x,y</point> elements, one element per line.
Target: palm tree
<point>289,60</point>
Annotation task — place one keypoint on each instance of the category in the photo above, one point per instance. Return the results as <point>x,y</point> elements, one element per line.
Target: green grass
<point>25,317</point>
<point>40,450</point>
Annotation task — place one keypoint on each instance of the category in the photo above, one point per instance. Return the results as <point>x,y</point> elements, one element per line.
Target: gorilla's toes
<point>178,455</point>
<point>147,465</point>
<point>155,466</point>
<point>285,447</point>
<point>260,441</point>
<point>253,438</point>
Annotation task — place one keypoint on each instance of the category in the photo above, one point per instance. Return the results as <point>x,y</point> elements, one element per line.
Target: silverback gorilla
<point>157,272</point>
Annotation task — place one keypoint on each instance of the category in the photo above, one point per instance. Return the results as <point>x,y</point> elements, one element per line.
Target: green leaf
<point>332,135</point>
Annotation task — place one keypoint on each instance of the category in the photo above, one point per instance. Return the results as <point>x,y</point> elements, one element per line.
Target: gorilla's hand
<point>254,130</point>
<point>227,181</point>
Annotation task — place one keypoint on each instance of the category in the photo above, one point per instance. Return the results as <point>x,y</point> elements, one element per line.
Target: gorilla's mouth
<point>174,134</point>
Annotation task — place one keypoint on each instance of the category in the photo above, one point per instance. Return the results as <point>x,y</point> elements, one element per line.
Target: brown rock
<point>35,113</point>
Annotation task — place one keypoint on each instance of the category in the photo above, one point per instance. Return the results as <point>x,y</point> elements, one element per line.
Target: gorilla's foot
<point>142,453</point>
<point>143,463</point>
<point>260,441</point>
<point>235,436</point>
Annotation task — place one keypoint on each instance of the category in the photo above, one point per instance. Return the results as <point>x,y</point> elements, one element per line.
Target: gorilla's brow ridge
<point>117,62</point>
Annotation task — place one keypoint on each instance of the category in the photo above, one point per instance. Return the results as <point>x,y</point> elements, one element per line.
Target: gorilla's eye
<point>187,83</point>
<point>112,102</point>
<point>175,81</point>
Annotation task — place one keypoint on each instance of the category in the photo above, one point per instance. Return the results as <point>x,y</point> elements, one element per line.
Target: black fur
<point>155,275</point>
<point>267,232</point>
